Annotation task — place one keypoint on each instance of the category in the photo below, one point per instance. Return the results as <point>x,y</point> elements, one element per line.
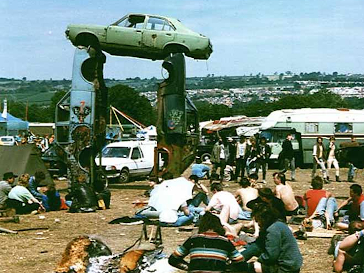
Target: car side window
<point>133,21</point>
<point>135,154</point>
<point>159,24</point>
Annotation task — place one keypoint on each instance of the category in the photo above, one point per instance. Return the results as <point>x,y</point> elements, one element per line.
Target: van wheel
<point>205,157</point>
<point>124,176</point>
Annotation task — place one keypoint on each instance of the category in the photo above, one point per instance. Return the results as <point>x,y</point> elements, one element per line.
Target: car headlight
<point>67,32</point>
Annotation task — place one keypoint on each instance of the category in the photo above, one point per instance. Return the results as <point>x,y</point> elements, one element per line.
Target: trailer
<point>341,123</point>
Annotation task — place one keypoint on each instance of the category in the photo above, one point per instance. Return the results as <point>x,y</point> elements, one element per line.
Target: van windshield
<point>122,152</point>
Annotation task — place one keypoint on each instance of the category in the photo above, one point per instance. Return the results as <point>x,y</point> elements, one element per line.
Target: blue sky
<point>248,36</point>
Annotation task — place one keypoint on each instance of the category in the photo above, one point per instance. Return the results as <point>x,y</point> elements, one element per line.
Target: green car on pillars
<point>144,36</point>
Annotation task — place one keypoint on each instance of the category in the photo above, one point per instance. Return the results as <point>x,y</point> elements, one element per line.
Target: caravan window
<point>311,127</point>
<point>343,128</point>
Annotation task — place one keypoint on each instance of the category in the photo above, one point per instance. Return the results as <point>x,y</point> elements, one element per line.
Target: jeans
<point>245,215</point>
<point>351,171</point>
<point>240,167</point>
<point>329,206</point>
<point>264,166</point>
<point>215,165</point>
<point>320,162</point>
<point>198,199</point>
<point>290,164</point>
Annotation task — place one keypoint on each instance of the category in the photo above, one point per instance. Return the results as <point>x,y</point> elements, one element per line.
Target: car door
<point>157,33</point>
<point>142,164</point>
<point>127,32</point>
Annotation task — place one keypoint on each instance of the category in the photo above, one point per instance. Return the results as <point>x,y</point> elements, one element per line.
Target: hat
<point>252,204</point>
<point>9,175</point>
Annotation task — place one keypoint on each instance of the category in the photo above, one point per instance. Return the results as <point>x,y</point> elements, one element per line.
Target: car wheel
<point>88,40</point>
<point>205,157</point>
<point>124,176</point>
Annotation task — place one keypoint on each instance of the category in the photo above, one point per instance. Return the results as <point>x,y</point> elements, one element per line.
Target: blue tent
<point>13,125</point>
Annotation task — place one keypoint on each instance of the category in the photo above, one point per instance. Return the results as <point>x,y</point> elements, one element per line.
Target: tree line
<point>129,101</point>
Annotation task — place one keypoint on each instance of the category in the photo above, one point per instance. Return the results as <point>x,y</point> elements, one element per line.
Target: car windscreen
<point>7,139</point>
<point>122,152</point>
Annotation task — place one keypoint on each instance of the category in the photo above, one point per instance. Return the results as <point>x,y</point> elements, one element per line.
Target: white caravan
<point>312,123</point>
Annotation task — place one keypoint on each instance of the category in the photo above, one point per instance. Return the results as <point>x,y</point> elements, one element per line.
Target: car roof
<point>177,23</point>
<point>123,144</point>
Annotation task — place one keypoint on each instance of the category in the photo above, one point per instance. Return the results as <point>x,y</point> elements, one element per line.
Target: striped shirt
<point>209,252</point>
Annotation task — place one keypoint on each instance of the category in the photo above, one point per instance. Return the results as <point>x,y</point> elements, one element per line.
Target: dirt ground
<point>40,250</point>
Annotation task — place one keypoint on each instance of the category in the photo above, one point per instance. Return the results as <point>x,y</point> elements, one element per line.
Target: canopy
<point>14,124</point>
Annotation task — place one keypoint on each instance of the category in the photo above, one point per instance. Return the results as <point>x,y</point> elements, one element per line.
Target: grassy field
<point>38,251</point>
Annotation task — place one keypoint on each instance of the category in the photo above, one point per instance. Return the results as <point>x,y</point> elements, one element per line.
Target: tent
<point>22,159</point>
<point>13,125</point>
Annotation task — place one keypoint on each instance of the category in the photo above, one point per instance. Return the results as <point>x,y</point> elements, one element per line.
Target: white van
<point>126,159</point>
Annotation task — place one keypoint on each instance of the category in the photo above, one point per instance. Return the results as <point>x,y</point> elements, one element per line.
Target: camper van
<point>312,123</point>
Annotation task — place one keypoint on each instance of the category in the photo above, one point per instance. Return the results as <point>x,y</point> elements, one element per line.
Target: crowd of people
<point>30,194</point>
<point>251,155</point>
<point>267,210</point>
<point>222,215</point>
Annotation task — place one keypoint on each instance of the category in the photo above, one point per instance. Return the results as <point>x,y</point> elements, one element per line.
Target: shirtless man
<point>225,204</point>
<point>243,196</point>
<point>284,192</point>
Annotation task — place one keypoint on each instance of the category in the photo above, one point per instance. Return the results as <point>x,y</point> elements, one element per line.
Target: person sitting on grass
<point>22,200</point>
<point>284,192</point>
<point>225,204</point>
<point>209,250</point>
<point>35,182</point>
<point>200,170</point>
<point>52,200</point>
<point>243,196</point>
<point>253,179</point>
<point>276,247</point>
<point>352,208</point>
<point>351,253</point>
<point>320,204</point>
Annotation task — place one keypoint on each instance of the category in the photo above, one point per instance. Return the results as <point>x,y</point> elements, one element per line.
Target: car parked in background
<point>123,160</point>
<point>142,35</point>
<point>7,141</point>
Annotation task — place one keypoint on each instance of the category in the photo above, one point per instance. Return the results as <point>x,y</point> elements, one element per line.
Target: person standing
<point>241,155</point>
<point>218,159</point>
<point>5,188</point>
<point>287,157</point>
<point>351,170</point>
<point>44,143</point>
<point>264,152</point>
<point>331,159</point>
<point>252,152</point>
<point>318,159</point>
